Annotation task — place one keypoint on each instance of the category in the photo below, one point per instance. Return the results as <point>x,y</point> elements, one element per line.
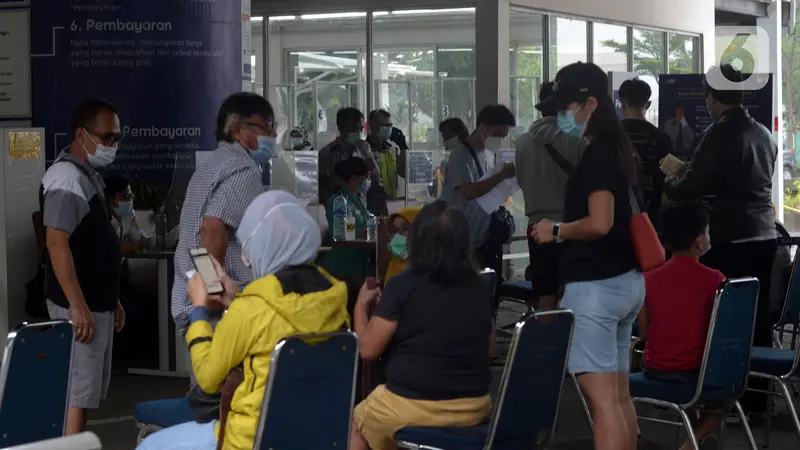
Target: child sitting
<point>678,305</point>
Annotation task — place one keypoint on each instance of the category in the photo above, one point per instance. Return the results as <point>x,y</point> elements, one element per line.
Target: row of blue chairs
<point>314,383</point>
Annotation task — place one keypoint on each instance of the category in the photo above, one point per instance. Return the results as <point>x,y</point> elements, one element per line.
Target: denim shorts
<point>604,314</point>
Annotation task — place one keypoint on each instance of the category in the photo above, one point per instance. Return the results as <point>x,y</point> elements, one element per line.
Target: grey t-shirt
<point>461,169</point>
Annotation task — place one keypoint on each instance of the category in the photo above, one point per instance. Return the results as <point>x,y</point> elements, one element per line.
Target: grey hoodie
<point>542,181</point>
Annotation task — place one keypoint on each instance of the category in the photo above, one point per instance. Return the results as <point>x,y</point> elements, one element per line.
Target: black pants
<point>750,259</point>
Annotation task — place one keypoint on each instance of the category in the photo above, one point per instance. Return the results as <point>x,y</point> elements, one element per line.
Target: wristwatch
<point>557,232</point>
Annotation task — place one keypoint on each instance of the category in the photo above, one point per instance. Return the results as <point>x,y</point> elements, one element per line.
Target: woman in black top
<point>433,325</point>
<point>604,287</point>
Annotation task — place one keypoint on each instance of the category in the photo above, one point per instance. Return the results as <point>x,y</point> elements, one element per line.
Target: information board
<point>167,66</point>
<point>684,114</point>
<point>419,177</point>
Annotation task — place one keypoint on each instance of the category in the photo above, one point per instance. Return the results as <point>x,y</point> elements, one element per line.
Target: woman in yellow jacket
<point>289,296</point>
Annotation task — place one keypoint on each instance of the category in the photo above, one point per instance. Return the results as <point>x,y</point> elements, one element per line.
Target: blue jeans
<point>186,436</point>
<point>604,314</point>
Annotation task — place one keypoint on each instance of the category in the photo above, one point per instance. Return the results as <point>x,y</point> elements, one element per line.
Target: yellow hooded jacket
<point>397,265</point>
<point>256,321</point>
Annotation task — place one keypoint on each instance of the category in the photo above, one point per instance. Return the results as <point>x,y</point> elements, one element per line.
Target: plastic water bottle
<point>339,225</point>
<point>372,228</point>
<point>350,226</point>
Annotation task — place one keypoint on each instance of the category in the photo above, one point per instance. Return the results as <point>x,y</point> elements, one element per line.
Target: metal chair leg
<point>746,425</point>
<point>585,405</point>
<point>687,423</point>
<point>790,403</point>
<point>768,424</point>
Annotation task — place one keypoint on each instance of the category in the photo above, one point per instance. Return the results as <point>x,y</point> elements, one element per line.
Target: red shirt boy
<point>680,295</point>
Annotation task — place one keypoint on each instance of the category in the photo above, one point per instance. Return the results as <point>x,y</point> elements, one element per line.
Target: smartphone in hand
<point>205,267</point>
<point>372,282</point>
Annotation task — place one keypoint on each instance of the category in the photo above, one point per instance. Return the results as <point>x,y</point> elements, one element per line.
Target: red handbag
<point>646,244</point>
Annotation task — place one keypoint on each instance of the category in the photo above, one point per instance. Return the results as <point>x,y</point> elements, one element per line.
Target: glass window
<point>423,72</point>
<point>610,46</point>
<point>527,66</point>
<point>257,54</point>
<point>790,162</point>
<point>681,53</point>
<point>316,68</point>
<point>649,62</point>
<point>567,43</point>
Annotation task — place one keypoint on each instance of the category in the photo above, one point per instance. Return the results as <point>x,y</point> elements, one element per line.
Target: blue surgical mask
<point>354,138</point>
<point>567,124</point>
<point>298,143</point>
<point>265,150</point>
<point>397,246</point>
<point>384,133</point>
<point>125,209</point>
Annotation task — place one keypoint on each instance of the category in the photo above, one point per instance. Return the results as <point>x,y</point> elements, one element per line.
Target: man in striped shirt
<point>220,190</point>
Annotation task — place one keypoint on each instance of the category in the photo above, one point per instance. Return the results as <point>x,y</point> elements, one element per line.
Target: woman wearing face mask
<point>347,263</point>
<point>603,284</point>
<point>398,246</point>
<point>288,296</point>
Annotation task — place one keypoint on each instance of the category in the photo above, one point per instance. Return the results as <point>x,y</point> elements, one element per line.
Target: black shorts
<point>543,267</point>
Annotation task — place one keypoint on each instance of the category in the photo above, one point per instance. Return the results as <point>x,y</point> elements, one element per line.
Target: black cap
<point>575,83</point>
<point>545,92</point>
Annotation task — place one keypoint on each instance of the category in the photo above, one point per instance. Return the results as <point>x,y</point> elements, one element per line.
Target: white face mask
<point>493,143</point>
<point>451,143</point>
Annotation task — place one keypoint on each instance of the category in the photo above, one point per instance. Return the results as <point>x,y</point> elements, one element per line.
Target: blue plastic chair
<point>528,400</point>
<point>779,366</point>
<point>726,361</point>
<point>790,315</point>
<point>37,356</point>
<point>158,414</point>
<point>519,292</point>
<point>308,402</point>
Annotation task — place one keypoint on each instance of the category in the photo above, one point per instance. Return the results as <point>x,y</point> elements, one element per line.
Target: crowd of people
<point>583,173</point>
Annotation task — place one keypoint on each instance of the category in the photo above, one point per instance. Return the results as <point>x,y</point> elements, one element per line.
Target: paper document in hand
<point>498,195</point>
<point>671,165</point>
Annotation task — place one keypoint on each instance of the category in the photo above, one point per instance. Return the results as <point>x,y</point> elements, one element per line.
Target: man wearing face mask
<point>83,258</point>
<point>391,159</point>
<point>220,190</point>
<point>468,175</point>
<point>731,175</point>
<point>123,217</point>
<point>350,143</point>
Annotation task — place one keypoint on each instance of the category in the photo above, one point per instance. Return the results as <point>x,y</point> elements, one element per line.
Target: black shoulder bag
<point>559,159</point>
<point>502,226</point>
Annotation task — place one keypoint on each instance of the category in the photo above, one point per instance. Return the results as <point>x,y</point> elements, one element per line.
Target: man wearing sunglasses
<point>82,264</point>
<point>221,189</point>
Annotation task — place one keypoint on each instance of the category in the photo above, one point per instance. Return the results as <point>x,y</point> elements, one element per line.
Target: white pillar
<point>491,52</point>
<point>774,27</point>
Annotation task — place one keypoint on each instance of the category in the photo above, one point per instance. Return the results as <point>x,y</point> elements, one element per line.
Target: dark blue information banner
<point>683,113</point>
<point>167,65</point>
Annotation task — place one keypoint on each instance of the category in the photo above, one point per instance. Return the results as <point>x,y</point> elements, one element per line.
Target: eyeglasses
<point>264,127</point>
<point>110,139</point>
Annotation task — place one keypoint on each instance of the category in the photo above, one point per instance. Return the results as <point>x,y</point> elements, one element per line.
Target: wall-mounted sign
<point>15,63</point>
